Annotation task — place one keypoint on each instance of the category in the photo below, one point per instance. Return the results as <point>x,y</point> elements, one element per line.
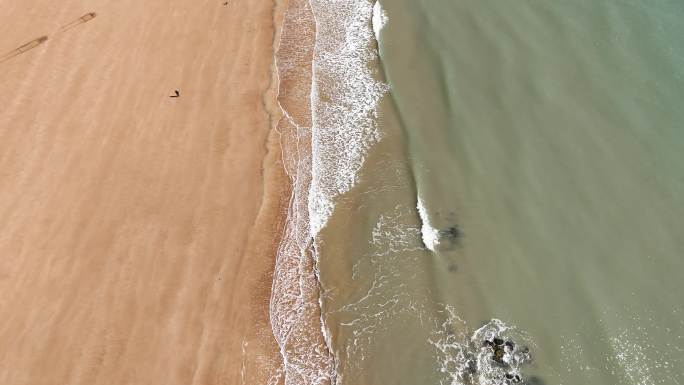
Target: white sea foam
<point>322,156</point>
<point>379,19</point>
<point>294,307</point>
<point>635,353</point>
<point>344,98</point>
<point>462,358</point>
<point>451,341</point>
<point>429,233</point>
<point>387,298</point>
<point>392,235</point>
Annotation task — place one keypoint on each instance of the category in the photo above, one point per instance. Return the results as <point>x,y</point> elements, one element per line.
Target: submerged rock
<point>534,380</point>
<point>512,378</point>
<point>449,237</point>
<point>505,354</point>
<point>497,355</point>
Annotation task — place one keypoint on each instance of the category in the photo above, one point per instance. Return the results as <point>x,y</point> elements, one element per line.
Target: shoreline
<point>329,94</point>
<point>294,306</point>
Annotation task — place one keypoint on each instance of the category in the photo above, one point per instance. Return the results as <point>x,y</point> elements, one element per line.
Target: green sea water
<point>545,140</point>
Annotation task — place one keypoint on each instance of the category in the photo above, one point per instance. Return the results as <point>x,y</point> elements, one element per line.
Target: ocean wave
<point>379,19</point>
<point>429,234</point>
<point>294,307</point>
<point>493,354</point>
<point>344,99</point>
<point>328,95</point>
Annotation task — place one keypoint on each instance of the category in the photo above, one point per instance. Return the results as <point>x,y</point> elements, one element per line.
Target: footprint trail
<point>83,19</point>
<point>26,47</point>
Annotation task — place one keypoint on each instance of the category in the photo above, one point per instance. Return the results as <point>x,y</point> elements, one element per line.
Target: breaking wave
<point>429,233</point>
<point>344,99</point>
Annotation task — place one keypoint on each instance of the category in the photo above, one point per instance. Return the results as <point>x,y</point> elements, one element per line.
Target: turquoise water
<point>525,182</point>
<point>550,134</point>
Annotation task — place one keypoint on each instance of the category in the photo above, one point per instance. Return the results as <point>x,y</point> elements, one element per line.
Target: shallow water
<point>543,143</point>
<point>551,136</point>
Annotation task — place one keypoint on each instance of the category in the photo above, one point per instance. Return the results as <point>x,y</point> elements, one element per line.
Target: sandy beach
<point>138,229</point>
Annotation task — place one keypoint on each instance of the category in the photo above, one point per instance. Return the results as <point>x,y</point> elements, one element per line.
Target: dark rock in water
<point>503,360</point>
<point>499,355</point>
<point>499,348</point>
<point>455,232</point>
<point>512,378</point>
<point>449,237</point>
<point>524,354</point>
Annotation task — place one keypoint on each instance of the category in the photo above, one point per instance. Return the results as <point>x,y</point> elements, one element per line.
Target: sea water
<point>496,169</point>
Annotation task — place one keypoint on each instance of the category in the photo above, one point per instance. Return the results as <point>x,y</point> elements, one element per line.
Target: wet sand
<point>138,230</point>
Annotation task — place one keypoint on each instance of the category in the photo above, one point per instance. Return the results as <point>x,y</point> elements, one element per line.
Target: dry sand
<point>138,230</point>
